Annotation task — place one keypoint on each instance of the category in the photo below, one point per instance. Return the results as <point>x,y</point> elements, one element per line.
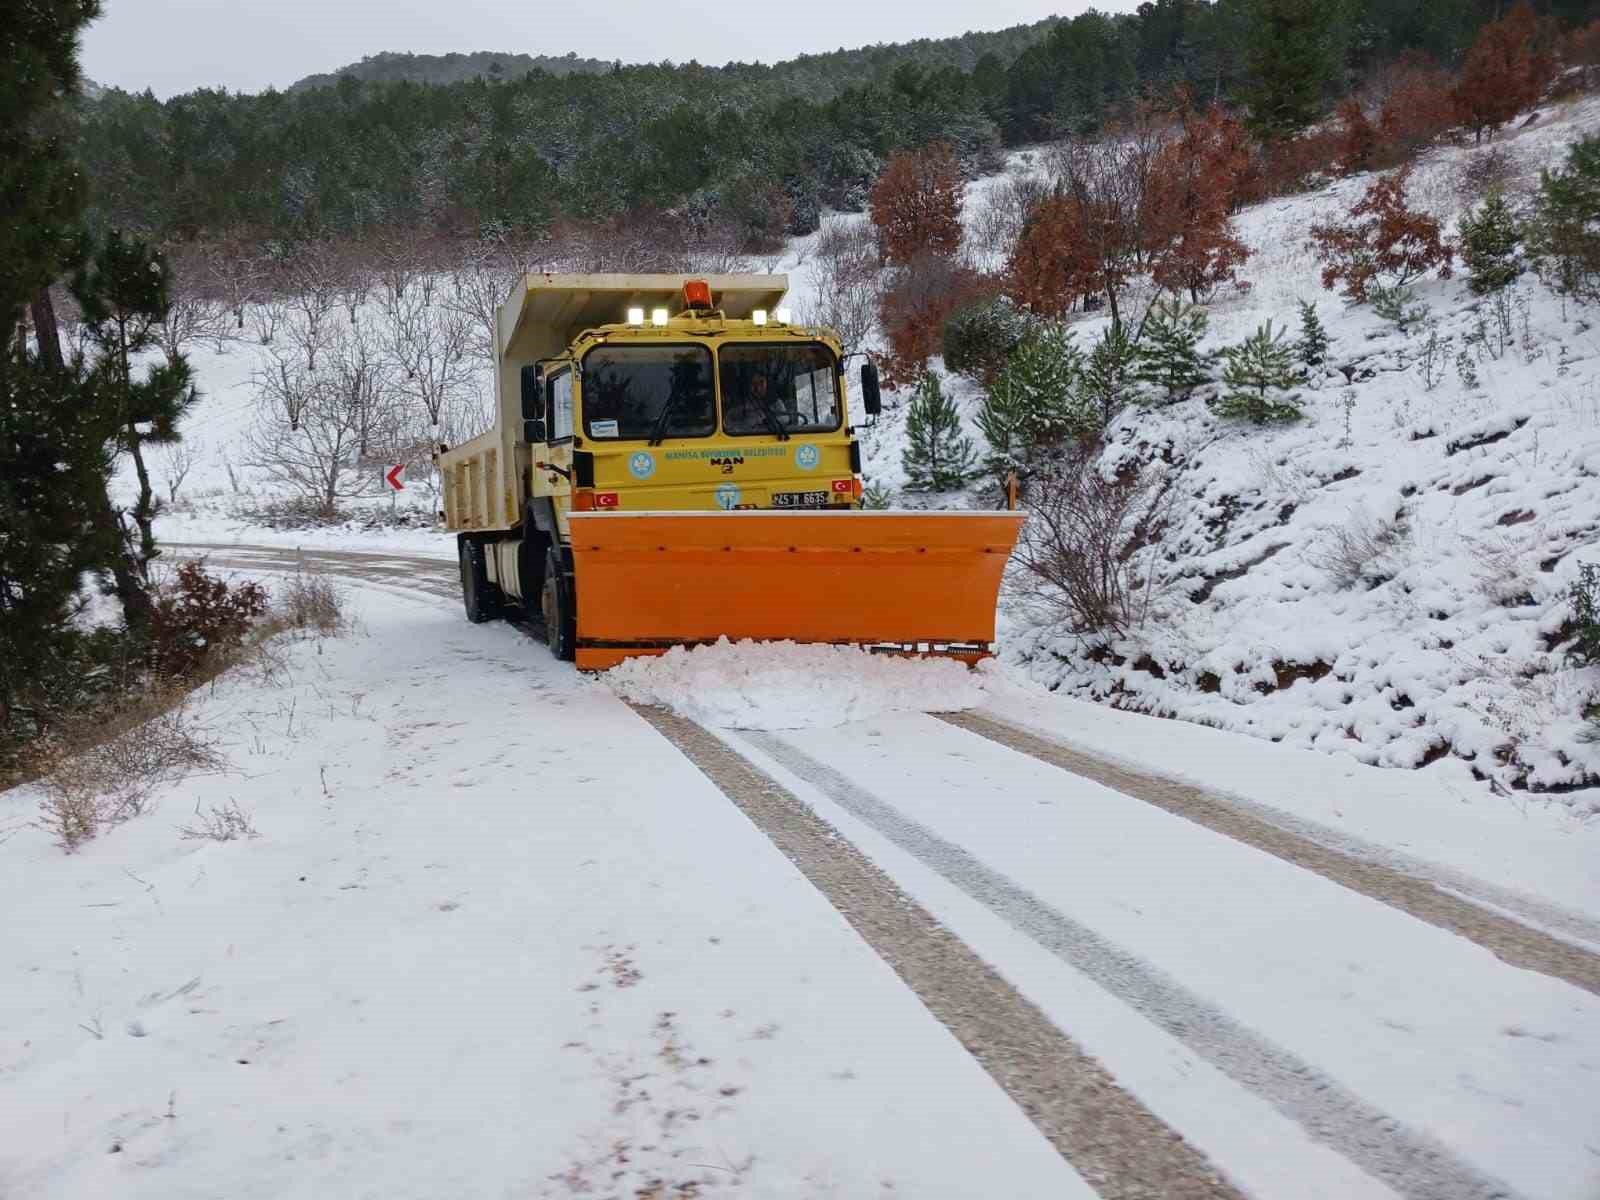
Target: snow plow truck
<point>674,460</point>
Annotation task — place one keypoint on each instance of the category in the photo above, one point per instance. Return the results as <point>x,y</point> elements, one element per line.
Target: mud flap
<point>911,582</point>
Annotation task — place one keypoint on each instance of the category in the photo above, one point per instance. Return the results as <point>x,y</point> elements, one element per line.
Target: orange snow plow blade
<point>919,583</point>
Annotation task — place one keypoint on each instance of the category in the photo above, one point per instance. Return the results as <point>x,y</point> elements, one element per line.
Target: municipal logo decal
<point>642,465</point>
<point>807,457</point>
<point>728,495</point>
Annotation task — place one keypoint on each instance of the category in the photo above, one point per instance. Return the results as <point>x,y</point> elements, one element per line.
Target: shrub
<point>979,337</point>
<point>1382,243</point>
<point>1052,264</point>
<point>1419,107</point>
<point>938,456</point>
<point>1359,138</point>
<point>101,768</point>
<point>1395,304</point>
<point>916,204</point>
<point>1490,238</point>
<point>1168,355</point>
<point>219,823</point>
<point>1564,234</point>
<point>1077,552</point>
<point>912,309</point>
<point>311,601</point>
<point>1254,373</point>
<point>1361,550</point>
<point>198,617</point>
<point>1313,344</point>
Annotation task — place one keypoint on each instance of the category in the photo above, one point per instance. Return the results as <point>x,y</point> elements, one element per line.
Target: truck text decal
<point>716,455</point>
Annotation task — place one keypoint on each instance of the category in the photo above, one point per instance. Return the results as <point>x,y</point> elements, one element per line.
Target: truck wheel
<point>560,620</point>
<point>479,597</point>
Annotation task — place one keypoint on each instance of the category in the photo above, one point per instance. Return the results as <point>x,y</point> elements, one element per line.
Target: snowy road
<point>906,959</point>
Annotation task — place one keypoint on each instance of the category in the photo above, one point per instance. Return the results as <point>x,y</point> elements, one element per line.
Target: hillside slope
<point>1467,506</point>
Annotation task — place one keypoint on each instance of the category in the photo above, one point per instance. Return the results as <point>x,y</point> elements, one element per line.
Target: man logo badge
<point>807,457</point>
<point>642,465</point>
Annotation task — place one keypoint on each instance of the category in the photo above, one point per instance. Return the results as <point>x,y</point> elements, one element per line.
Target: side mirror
<point>533,394</point>
<point>533,430</point>
<point>871,396</point>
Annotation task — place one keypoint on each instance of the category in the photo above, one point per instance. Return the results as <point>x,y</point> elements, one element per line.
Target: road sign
<point>393,477</point>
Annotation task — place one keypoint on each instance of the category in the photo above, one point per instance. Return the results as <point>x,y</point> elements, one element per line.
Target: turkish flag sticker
<point>605,500</point>
<point>842,485</point>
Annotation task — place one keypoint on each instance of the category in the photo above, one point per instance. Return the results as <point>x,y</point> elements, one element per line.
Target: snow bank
<point>784,685</point>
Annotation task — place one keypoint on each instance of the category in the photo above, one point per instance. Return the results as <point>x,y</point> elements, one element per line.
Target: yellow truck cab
<point>675,460</point>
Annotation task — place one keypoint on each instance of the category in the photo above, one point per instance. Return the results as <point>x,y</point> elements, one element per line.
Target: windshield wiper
<point>658,431</point>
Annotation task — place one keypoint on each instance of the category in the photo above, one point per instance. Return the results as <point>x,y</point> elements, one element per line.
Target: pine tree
<point>1489,241</point>
<point>1169,351</point>
<point>1254,372</point>
<point>1289,63</point>
<point>1004,425</point>
<point>124,294</point>
<point>1313,344</point>
<point>1042,377</point>
<point>1565,232</point>
<point>1109,379</point>
<point>938,456</point>
<point>52,465</point>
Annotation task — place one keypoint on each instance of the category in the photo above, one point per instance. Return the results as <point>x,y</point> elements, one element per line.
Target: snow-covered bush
<point>980,337</point>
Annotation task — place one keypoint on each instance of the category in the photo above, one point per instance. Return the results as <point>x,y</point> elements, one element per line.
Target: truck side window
<point>560,416</point>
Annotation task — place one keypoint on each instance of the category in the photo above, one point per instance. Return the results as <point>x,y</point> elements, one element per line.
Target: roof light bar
<point>783,315</point>
<point>758,317</point>
<point>636,316</point>
<point>658,316</point>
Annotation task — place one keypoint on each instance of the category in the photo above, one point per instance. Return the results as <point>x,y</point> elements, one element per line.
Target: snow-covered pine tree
<point>937,456</point>
<point>1312,348</point>
<point>1003,423</point>
<point>1489,240</point>
<point>1169,350</point>
<point>1258,374</point>
<point>1108,379</point>
<point>1043,377</point>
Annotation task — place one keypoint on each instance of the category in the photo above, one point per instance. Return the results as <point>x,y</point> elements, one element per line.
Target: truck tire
<point>560,614</point>
<point>479,597</point>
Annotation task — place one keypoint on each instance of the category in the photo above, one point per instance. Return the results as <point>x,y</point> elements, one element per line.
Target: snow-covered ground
<point>495,937</point>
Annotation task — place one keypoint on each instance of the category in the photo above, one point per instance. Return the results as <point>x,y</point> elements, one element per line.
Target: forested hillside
<point>390,67</point>
<point>765,148</point>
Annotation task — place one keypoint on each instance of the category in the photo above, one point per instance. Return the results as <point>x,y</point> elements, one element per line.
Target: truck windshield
<point>642,392</point>
<point>787,388</point>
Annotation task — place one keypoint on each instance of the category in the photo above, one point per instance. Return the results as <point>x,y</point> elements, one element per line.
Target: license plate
<point>799,499</point>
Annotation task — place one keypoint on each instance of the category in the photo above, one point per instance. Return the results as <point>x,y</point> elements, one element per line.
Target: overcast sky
<point>173,46</point>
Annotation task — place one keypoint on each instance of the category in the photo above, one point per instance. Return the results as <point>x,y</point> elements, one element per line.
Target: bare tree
<point>845,279</point>
<point>429,344</point>
<point>998,223</point>
<point>479,284</point>
<point>343,414</point>
<point>179,459</point>
<point>191,318</point>
<point>235,277</point>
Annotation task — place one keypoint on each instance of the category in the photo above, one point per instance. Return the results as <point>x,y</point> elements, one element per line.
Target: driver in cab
<point>757,409</point>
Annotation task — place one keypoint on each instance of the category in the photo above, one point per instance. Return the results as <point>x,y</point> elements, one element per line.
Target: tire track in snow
<point>1409,1161</point>
<point>1119,1147</point>
<point>1412,892</point>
